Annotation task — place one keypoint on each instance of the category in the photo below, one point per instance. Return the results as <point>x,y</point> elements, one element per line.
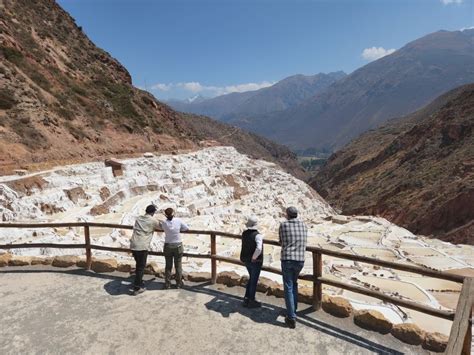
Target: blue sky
<point>181,48</point>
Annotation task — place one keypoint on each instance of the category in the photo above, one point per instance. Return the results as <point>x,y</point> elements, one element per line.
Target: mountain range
<point>236,107</point>
<point>416,171</point>
<point>333,114</point>
<point>62,99</point>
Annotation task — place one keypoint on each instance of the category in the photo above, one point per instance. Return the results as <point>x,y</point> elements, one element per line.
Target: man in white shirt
<point>173,248</point>
<point>252,255</point>
<point>140,244</point>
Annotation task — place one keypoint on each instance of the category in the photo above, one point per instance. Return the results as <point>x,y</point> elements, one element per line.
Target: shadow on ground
<point>226,304</point>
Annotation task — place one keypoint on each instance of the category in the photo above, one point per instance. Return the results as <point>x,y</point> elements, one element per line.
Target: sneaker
<point>291,323</point>
<point>180,284</point>
<point>254,304</point>
<point>245,303</point>
<point>138,291</point>
<point>167,285</point>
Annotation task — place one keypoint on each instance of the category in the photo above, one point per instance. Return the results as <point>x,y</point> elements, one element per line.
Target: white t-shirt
<point>172,230</point>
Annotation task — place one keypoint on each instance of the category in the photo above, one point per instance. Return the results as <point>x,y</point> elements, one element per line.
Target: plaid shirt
<point>293,236</point>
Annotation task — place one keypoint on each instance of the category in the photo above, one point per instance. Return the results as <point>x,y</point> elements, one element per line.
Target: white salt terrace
<point>217,189</point>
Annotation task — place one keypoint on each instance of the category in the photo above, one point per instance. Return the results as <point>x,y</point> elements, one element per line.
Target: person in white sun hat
<point>252,255</point>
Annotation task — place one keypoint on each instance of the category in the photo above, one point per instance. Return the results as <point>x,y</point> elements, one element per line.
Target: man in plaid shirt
<point>293,236</point>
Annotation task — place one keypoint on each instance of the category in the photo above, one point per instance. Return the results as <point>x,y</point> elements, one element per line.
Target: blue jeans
<point>291,270</point>
<point>254,273</point>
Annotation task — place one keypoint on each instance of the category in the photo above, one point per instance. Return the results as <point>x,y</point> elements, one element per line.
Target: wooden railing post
<point>460,337</point>
<point>317,286</point>
<point>213,261</point>
<point>87,238</point>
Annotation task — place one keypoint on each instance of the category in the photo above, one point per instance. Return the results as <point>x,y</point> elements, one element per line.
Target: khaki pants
<point>173,251</point>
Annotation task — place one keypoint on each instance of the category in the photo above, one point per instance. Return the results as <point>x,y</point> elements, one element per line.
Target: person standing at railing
<point>293,235</point>
<point>252,255</point>
<point>173,248</point>
<point>140,244</point>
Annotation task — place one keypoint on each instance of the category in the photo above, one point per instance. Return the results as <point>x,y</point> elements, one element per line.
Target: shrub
<point>12,55</point>
<point>6,99</point>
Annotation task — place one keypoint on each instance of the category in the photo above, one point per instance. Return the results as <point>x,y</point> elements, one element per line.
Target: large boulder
<point>277,291</point>
<point>199,276</point>
<point>19,260</point>
<point>372,320</point>
<point>305,295</point>
<point>124,267</point>
<point>104,265</point>
<point>436,342</point>
<point>152,268</point>
<point>409,333</point>
<point>264,284</point>
<point>337,306</point>
<point>228,278</point>
<point>39,260</point>
<point>65,260</point>
<point>4,259</point>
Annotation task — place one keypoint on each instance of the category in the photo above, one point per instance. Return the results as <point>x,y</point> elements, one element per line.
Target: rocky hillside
<point>392,86</point>
<point>417,172</point>
<point>62,99</point>
<point>239,108</point>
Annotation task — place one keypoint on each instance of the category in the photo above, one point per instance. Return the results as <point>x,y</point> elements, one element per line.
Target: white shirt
<point>258,248</point>
<point>172,229</point>
<point>143,232</point>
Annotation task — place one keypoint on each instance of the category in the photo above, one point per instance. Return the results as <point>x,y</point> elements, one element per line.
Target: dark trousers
<point>140,257</point>
<point>173,252</point>
<point>291,270</point>
<point>254,273</point>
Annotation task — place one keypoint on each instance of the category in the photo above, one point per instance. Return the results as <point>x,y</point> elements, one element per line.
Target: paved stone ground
<point>50,310</point>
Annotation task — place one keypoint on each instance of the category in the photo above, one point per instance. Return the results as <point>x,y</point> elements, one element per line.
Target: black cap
<point>150,209</point>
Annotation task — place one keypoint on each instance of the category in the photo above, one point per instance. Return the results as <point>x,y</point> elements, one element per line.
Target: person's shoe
<point>138,291</point>
<point>180,284</point>
<point>254,304</point>
<point>291,323</point>
<point>245,303</point>
<point>167,285</point>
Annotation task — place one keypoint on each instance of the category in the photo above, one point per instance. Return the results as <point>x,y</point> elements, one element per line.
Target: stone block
<point>337,306</point>
<point>436,342</point>
<point>65,260</point>
<point>373,320</point>
<point>228,278</point>
<point>409,333</point>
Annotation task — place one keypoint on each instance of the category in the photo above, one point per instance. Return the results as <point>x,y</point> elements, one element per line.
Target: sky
<point>183,48</point>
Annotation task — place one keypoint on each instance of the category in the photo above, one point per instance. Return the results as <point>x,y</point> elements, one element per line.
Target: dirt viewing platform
<point>50,310</point>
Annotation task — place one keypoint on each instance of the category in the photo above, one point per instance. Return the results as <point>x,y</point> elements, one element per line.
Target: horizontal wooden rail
<point>42,245</point>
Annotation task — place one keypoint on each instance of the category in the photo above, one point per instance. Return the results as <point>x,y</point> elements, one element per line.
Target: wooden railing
<point>460,337</point>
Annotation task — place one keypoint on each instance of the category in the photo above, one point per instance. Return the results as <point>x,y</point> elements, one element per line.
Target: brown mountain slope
<point>64,99</point>
<point>393,86</point>
<point>417,171</point>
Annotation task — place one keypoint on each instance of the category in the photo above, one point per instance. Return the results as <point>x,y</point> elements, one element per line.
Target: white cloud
<point>374,53</point>
<point>211,90</point>
<point>161,87</point>
<point>448,2</point>
<point>467,28</point>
